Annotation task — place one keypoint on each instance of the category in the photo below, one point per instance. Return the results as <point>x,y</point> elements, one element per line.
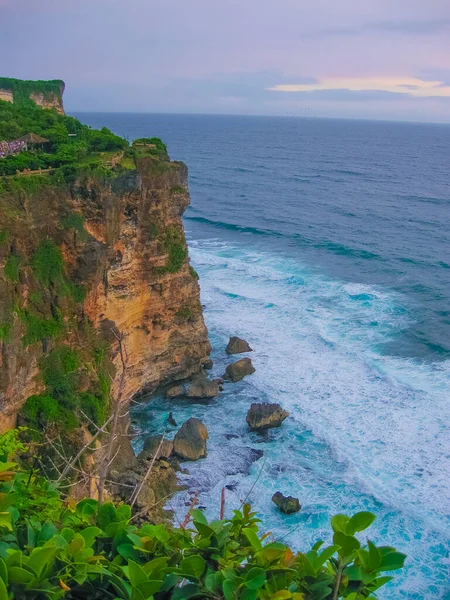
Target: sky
<point>370,59</point>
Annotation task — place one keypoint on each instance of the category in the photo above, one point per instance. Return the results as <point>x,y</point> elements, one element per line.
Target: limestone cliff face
<point>47,94</point>
<point>122,240</point>
<point>48,101</point>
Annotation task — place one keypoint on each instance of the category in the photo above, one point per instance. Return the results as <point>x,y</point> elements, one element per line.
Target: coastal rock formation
<point>286,504</point>
<point>237,346</point>
<point>123,246</point>
<point>238,370</point>
<point>190,441</point>
<point>265,416</point>
<point>153,445</point>
<point>198,388</point>
<point>201,387</point>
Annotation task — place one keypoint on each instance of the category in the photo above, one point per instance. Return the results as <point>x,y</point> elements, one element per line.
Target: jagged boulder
<point>286,504</point>
<point>237,345</point>
<point>238,370</point>
<point>152,444</point>
<point>265,416</point>
<point>190,441</point>
<point>202,387</point>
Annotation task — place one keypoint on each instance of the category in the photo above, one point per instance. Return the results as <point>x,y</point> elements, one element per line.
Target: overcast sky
<point>385,59</point>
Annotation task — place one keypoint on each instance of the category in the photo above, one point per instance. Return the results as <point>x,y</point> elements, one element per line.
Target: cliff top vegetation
<point>71,145</point>
<point>22,89</point>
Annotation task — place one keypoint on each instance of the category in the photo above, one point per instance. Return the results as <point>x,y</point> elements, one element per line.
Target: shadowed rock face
<point>265,416</point>
<point>238,370</point>
<point>237,346</point>
<point>287,504</point>
<point>190,441</point>
<point>121,261</point>
<point>154,446</point>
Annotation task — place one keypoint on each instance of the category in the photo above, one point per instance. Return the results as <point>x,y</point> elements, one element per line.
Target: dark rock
<point>152,443</point>
<point>286,504</point>
<point>232,436</point>
<point>202,388</point>
<point>238,370</point>
<point>232,486</point>
<point>256,454</point>
<point>171,420</point>
<point>125,458</point>
<point>190,441</point>
<point>208,364</point>
<point>264,416</point>
<point>175,391</point>
<point>237,346</point>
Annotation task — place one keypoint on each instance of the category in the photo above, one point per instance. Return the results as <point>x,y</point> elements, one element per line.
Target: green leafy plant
<point>49,549</point>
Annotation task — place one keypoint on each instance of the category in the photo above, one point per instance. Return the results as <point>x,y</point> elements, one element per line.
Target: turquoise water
<point>326,245</point>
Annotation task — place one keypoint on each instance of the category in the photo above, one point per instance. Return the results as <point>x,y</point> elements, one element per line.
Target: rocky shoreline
<point>188,441</point>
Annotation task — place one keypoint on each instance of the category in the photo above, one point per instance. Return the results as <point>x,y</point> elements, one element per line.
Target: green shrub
<point>178,189</point>
<point>48,264</point>
<point>4,236</point>
<point>12,268</point>
<point>94,552</point>
<point>40,410</point>
<point>175,246</point>
<point>159,146</point>
<point>5,331</point>
<point>193,272</point>
<point>94,407</point>
<point>60,373</point>
<point>185,313</point>
<point>39,328</point>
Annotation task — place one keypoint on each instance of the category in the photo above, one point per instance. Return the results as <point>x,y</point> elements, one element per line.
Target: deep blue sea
<point>326,244</point>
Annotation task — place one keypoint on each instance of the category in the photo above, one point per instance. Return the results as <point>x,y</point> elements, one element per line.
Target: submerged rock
<point>265,416</point>
<point>286,504</point>
<point>237,346</point>
<point>208,364</point>
<point>190,441</point>
<point>152,444</point>
<point>238,370</point>
<point>171,420</point>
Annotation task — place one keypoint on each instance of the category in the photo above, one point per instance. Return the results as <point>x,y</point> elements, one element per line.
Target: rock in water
<point>202,387</point>
<point>171,420</point>
<point>174,392</point>
<point>152,443</point>
<point>190,440</point>
<point>264,416</point>
<point>238,370</point>
<point>237,345</point>
<point>286,504</point>
<point>208,364</point>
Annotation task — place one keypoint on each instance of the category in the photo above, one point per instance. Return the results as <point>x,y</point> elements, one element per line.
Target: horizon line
<point>200,114</point>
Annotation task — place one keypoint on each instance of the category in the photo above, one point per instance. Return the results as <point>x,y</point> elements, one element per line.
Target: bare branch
<point>138,489</point>
<point>115,418</point>
<point>83,449</point>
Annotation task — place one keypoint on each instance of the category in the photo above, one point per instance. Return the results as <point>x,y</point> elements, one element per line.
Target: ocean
<point>325,244</point>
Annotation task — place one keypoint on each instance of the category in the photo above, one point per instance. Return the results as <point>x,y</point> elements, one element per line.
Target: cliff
<point>84,263</point>
<point>46,94</point>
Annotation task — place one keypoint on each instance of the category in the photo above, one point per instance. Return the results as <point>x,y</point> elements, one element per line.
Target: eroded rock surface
<point>190,441</point>
<point>264,416</point>
<point>239,369</point>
